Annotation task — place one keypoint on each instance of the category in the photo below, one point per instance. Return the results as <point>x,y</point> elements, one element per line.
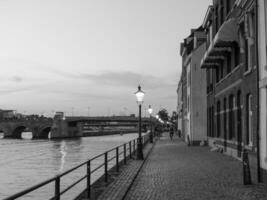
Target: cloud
<point>11,91</point>
<point>16,79</point>
<point>122,78</point>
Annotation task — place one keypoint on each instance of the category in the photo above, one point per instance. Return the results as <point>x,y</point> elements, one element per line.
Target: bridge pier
<point>63,129</point>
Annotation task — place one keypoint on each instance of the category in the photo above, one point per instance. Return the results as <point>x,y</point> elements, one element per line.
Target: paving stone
<point>118,188</point>
<point>174,171</point>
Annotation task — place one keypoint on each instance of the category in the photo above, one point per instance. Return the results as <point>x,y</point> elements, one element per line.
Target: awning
<point>227,34</point>
<point>213,58</point>
<point>226,37</point>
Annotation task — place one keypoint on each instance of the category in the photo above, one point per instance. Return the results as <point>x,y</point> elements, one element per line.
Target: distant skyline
<point>66,55</point>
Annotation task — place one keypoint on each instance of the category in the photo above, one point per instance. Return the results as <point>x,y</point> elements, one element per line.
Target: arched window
<point>212,121</point>
<point>218,119</point>
<point>231,122</point>
<point>249,119</point>
<point>239,123</point>
<point>225,118</point>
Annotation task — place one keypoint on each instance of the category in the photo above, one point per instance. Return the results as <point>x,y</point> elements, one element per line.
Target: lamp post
<point>139,96</point>
<point>150,110</point>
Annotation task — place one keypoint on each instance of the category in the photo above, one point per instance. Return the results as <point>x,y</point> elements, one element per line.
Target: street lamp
<point>139,96</point>
<point>150,110</point>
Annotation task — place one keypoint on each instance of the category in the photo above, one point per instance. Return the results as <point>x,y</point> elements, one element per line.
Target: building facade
<point>231,68</point>
<point>179,107</point>
<point>193,87</point>
<point>262,63</point>
<point>7,114</point>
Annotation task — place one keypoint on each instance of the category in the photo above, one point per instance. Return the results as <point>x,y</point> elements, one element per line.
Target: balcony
<point>221,45</point>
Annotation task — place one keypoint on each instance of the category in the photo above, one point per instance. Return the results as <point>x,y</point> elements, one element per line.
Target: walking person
<point>171,132</point>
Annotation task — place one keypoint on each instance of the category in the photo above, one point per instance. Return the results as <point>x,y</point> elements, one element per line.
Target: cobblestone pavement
<point>118,188</point>
<point>174,171</point>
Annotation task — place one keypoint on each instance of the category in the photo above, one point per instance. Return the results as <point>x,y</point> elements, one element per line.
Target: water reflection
<point>63,155</point>
<point>26,135</point>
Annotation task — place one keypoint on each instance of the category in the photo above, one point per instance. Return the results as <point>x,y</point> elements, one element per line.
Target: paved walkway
<point>174,171</point>
<point>118,188</point>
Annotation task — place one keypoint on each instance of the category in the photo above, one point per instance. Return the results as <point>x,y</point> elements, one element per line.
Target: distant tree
<point>163,114</point>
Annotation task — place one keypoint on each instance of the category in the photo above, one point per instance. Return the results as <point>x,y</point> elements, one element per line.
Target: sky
<point>87,57</point>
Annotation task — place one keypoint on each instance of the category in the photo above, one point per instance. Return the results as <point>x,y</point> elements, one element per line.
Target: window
<point>217,74</point>
<point>228,62</point>
<point>246,55</point>
<point>239,118</point>
<point>250,43</point>
<point>212,121</point>
<point>218,119</point>
<point>216,19</point>
<point>231,122</point>
<point>212,76</point>
<point>221,69</point>
<point>249,119</point>
<point>225,118</point>
<point>208,121</point>
<point>210,34</point>
<point>221,12</point>
<point>237,54</point>
<point>251,24</point>
<point>242,39</point>
<point>228,6</point>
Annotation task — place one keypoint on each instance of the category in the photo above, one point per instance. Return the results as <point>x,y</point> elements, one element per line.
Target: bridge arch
<point>44,132</point>
<point>2,134</point>
<point>17,132</point>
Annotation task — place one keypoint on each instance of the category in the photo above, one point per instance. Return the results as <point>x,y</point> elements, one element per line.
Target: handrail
<point>132,146</point>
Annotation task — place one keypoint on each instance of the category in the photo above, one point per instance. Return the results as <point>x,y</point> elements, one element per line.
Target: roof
<point>207,16</point>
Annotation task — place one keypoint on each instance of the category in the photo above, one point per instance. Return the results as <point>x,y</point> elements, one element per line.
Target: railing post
<point>106,167</point>
<point>130,149</point>
<point>117,159</point>
<point>57,188</point>
<point>89,179</point>
<point>124,153</point>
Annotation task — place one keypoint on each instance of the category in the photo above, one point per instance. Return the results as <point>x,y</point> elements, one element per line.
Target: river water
<point>26,162</point>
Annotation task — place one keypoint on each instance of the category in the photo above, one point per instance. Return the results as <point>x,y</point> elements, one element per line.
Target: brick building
<point>179,106</point>
<point>231,68</point>
<point>262,63</point>
<point>193,87</point>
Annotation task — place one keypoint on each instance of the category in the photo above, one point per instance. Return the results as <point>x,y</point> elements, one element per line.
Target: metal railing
<point>128,150</point>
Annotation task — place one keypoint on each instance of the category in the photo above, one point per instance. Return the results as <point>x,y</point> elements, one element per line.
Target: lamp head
<point>150,110</point>
<point>139,95</point>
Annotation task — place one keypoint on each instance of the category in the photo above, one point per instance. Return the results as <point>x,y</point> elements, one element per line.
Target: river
<point>26,162</point>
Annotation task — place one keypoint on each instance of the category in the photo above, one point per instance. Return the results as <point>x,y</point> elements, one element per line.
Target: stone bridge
<point>39,128</point>
<point>64,127</point>
<point>74,126</point>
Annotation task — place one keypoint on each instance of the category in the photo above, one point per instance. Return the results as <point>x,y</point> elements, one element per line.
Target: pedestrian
<point>179,133</point>
<point>171,132</point>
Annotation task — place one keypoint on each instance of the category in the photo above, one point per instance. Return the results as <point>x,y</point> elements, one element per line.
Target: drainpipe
<point>258,95</point>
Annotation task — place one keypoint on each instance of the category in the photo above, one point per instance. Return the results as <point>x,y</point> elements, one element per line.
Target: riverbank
<point>109,132</point>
